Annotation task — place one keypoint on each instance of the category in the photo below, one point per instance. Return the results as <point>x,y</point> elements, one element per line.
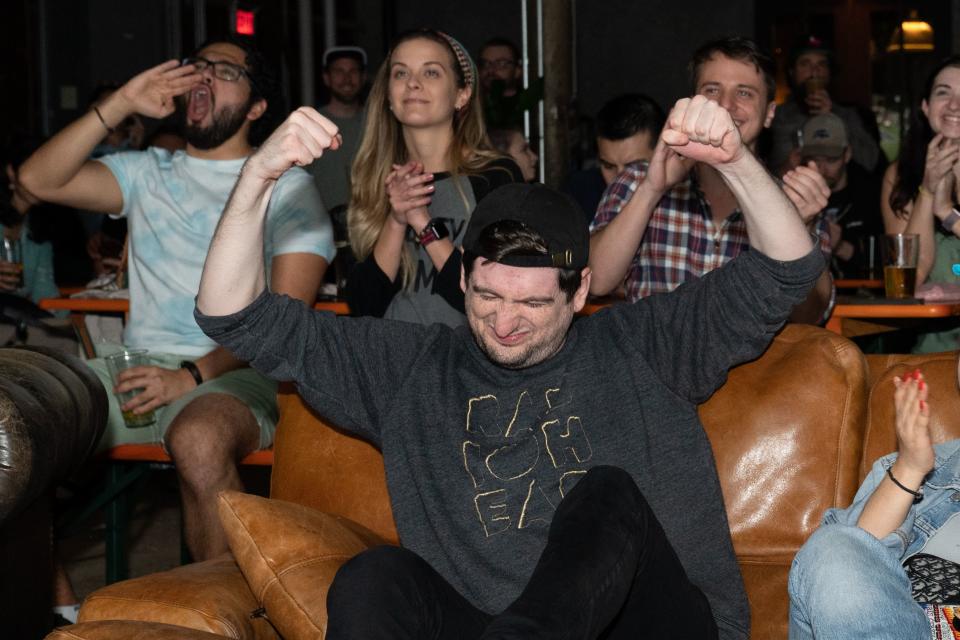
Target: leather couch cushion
<point>209,596</point>
<point>126,629</point>
<point>289,554</point>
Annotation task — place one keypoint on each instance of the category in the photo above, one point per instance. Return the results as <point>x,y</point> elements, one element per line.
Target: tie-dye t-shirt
<point>173,202</point>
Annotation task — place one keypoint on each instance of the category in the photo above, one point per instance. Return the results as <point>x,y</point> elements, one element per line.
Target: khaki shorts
<point>251,388</point>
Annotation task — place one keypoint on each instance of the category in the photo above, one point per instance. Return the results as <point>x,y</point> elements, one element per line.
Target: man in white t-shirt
<point>211,409</point>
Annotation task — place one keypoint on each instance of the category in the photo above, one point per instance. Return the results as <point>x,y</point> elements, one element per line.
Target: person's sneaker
<point>60,621</point>
<point>65,614</point>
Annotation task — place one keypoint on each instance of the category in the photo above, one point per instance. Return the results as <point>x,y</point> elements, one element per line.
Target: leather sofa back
<point>317,465</point>
<point>787,432</point>
<point>940,372</point>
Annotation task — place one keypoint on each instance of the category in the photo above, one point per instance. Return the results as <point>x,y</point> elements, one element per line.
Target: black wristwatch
<point>194,371</point>
<point>434,230</point>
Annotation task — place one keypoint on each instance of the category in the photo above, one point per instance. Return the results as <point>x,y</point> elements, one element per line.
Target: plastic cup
<point>900,253</point>
<point>122,361</point>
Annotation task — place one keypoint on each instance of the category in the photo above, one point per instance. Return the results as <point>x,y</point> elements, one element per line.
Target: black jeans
<point>608,571</point>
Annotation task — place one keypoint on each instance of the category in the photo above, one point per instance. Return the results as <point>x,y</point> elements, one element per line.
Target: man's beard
<point>531,355</point>
<point>346,98</point>
<point>225,124</point>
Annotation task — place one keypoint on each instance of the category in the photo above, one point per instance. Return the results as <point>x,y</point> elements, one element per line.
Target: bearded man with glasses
<point>501,83</point>
<point>211,409</point>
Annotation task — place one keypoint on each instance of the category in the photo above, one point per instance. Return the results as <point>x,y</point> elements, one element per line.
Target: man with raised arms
<point>535,494</point>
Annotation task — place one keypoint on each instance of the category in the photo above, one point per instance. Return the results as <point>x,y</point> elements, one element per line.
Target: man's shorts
<point>257,392</point>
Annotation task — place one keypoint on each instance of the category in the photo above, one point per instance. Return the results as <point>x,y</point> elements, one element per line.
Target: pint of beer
<point>900,252</point>
<point>812,85</point>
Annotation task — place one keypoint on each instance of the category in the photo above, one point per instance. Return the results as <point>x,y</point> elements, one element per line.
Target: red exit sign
<point>244,25</point>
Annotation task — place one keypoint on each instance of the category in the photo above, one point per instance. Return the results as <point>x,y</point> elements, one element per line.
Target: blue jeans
<point>607,571</point>
<point>845,584</point>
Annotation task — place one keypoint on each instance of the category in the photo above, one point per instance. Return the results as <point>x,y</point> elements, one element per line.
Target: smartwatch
<point>951,220</point>
<point>435,230</point>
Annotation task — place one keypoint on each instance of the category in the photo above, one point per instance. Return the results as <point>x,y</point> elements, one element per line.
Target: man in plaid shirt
<point>679,219</point>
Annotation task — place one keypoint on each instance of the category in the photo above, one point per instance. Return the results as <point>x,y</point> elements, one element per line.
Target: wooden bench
<point>129,466</point>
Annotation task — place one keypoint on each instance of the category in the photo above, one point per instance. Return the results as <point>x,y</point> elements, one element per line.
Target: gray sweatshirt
<point>478,457</point>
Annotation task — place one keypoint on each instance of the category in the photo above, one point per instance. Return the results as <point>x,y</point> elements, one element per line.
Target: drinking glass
<point>118,363</point>
<point>900,252</point>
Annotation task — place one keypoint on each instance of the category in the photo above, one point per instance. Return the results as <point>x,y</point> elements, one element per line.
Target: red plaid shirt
<point>682,242</point>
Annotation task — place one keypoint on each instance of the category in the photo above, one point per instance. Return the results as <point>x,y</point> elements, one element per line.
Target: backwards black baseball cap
<point>551,214</point>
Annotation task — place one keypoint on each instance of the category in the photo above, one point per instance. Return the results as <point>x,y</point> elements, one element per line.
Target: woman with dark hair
<point>919,188</point>
<point>32,275</point>
<point>421,168</point>
<point>27,267</point>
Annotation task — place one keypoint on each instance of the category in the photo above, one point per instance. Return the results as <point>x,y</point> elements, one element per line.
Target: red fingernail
<point>922,385</point>
<point>923,406</point>
<point>917,374</point>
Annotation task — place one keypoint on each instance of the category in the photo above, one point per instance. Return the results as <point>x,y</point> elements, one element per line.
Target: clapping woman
<point>422,166</point>
<point>919,189</point>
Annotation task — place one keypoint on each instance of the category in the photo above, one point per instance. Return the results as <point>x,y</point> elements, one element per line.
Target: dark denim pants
<point>608,571</point>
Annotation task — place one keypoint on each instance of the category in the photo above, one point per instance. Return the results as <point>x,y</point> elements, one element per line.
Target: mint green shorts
<point>257,392</point>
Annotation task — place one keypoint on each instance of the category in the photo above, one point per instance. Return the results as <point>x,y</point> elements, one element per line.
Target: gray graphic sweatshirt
<point>478,457</point>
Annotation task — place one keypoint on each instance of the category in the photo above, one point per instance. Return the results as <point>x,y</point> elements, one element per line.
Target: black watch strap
<point>193,369</point>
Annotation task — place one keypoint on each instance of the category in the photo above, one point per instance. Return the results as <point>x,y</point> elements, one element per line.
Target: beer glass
<point>900,252</point>
<point>12,251</point>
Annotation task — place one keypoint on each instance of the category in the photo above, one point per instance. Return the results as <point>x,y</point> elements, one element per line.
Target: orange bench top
<point>122,305</point>
<point>155,453</point>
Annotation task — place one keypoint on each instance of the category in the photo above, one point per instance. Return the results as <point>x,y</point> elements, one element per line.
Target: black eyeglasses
<point>222,70</point>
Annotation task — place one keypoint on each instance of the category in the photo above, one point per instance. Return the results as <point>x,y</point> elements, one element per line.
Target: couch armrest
<point>116,629</point>
<point>209,596</point>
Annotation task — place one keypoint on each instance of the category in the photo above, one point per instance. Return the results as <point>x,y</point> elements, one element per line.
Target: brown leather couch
<point>793,432</point>
<point>53,410</point>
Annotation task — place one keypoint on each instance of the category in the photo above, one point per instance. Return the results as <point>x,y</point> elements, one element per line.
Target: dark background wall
<point>619,45</point>
<point>471,22</point>
<point>625,46</point>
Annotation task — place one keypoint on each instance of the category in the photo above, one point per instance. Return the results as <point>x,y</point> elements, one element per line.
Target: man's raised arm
<point>233,274</point>
<point>702,130</point>
<point>60,171</point>
<point>613,246</point>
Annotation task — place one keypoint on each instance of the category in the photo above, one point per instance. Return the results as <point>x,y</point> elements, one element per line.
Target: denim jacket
<point>941,499</point>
